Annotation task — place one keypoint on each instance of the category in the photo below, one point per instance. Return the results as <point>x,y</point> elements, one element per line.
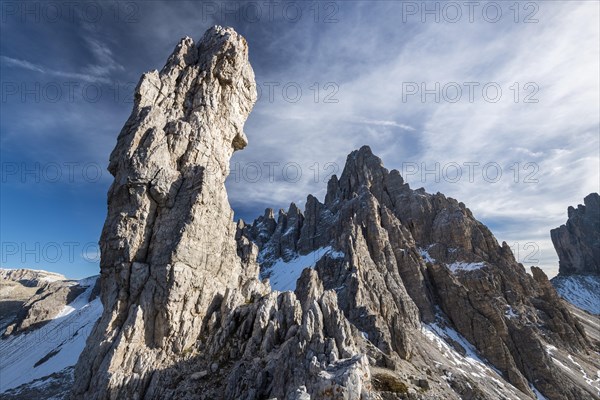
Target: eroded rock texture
<point>168,248</point>
<point>578,241</point>
<point>414,298</point>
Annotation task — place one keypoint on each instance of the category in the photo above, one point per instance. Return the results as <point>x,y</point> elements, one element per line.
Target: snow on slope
<point>583,291</point>
<point>436,332</point>
<point>454,267</point>
<point>467,363</point>
<point>537,393</point>
<point>53,347</point>
<point>283,275</point>
<point>464,266</point>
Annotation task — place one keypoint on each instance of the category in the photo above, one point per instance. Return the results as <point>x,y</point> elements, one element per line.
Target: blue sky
<point>438,87</point>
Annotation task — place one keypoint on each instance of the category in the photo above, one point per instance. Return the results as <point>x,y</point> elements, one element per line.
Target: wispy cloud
<point>385,123</point>
<point>13,62</point>
<point>101,70</point>
<point>559,134</point>
<point>105,61</point>
<point>92,77</point>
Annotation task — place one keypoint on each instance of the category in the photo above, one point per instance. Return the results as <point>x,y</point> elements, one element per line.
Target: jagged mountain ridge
<point>475,281</point>
<point>186,317</point>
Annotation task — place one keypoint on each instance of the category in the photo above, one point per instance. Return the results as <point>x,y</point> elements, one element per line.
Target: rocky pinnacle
<point>578,241</point>
<point>168,249</point>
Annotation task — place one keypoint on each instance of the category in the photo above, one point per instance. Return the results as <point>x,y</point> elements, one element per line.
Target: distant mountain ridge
<point>17,286</point>
<point>450,266</point>
<point>45,332</point>
<point>29,277</point>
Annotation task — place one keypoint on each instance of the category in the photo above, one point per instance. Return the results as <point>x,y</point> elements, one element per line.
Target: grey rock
<point>168,248</point>
<point>180,283</point>
<point>578,241</point>
<point>199,375</point>
<point>386,288</point>
<point>179,280</point>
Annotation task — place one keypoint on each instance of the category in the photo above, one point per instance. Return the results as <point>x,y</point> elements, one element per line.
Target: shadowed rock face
<point>42,307</point>
<point>578,241</point>
<point>185,316</point>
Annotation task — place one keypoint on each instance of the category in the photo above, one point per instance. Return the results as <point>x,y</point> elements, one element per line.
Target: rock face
<point>178,290</point>
<point>168,249</point>
<point>578,246</point>
<point>16,288</point>
<point>44,305</point>
<point>411,258</point>
<point>578,241</point>
<point>412,299</point>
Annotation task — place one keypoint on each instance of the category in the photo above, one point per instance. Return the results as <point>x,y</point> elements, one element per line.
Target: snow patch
<point>563,366</point>
<point>425,254</point>
<point>583,373</point>
<point>470,364</point>
<point>550,349</point>
<point>510,313</point>
<point>537,393</point>
<point>284,274</point>
<point>440,335</point>
<point>51,278</point>
<point>463,266</point>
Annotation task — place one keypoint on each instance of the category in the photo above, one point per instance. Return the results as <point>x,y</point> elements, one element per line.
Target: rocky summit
<point>405,261</point>
<point>378,292</point>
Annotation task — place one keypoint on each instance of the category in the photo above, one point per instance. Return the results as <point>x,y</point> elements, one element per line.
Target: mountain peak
<point>362,169</point>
